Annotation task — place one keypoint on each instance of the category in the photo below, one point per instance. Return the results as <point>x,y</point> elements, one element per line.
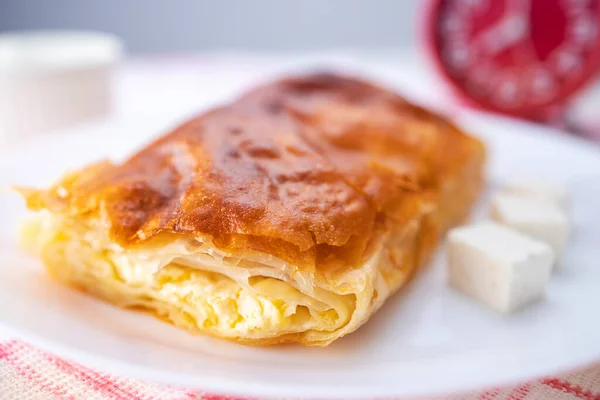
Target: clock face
<point>517,56</point>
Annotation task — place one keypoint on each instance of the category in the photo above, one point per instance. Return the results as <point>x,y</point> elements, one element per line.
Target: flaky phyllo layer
<point>290,215</point>
<point>253,298</point>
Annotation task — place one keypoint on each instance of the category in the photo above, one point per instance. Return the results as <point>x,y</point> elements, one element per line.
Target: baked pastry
<point>289,215</point>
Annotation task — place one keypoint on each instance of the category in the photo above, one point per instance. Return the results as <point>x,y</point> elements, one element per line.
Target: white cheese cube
<point>534,216</point>
<point>554,192</point>
<point>498,266</point>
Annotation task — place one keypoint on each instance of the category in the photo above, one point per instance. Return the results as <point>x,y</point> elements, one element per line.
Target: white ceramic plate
<point>426,340</point>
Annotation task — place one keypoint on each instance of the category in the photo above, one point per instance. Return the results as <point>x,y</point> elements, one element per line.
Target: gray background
<point>150,26</point>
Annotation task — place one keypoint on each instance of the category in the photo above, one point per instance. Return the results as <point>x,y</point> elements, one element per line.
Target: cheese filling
<point>193,285</point>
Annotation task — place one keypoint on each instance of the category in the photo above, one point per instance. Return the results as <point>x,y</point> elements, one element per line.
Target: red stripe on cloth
<point>520,392</point>
<point>566,387</point>
<point>3,352</point>
<point>489,395</point>
<point>105,383</point>
<point>10,353</point>
<point>100,383</point>
<point>188,395</point>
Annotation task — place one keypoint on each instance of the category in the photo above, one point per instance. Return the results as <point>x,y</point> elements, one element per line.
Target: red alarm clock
<point>520,57</point>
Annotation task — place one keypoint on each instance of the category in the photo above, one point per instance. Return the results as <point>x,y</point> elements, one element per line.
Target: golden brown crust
<point>301,169</point>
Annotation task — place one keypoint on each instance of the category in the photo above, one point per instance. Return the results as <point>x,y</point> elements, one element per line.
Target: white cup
<point>53,79</point>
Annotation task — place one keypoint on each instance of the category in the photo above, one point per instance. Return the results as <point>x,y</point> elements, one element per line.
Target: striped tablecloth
<point>27,373</point>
